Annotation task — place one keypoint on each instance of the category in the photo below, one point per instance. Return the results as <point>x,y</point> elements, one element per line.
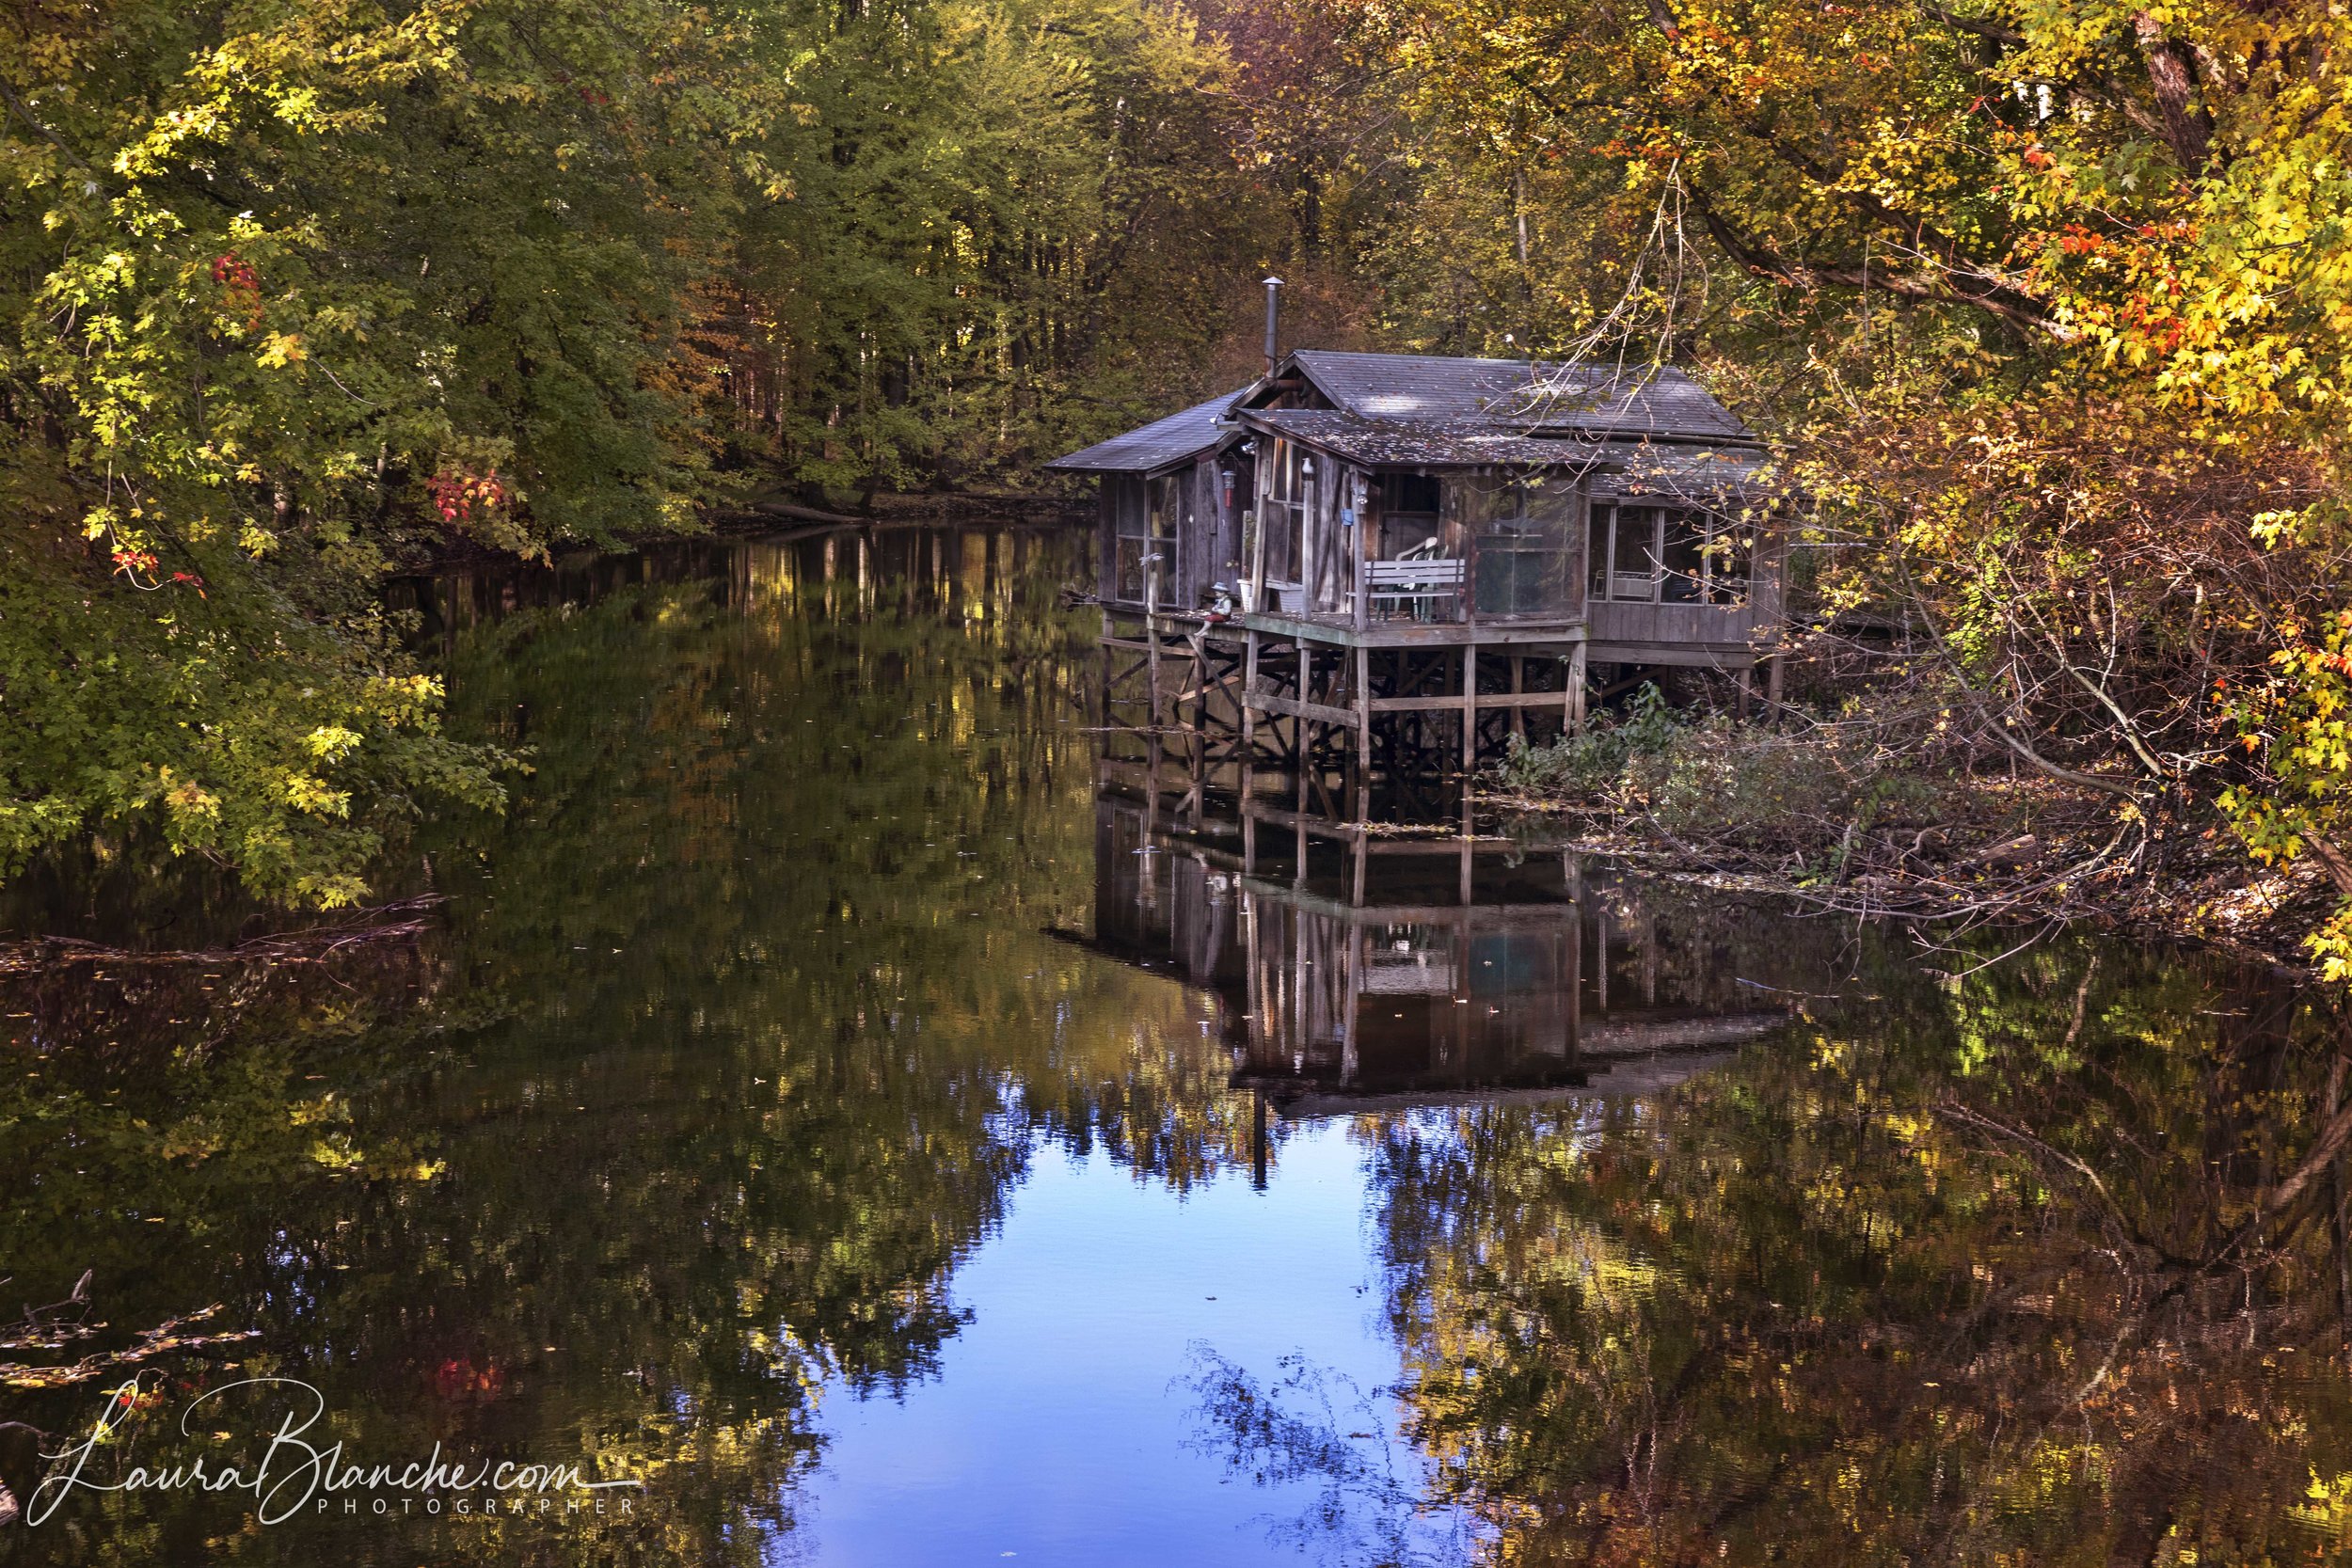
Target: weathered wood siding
<point>1330,566</point>
<point>1696,625</point>
<point>1199,552</point>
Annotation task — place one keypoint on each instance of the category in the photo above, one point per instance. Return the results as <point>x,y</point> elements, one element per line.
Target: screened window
<point>1143,526</point>
<point>1645,554</point>
<point>1412,503</point>
<point>1682,560</point>
<point>1131,526</point>
<point>1525,543</point>
<point>1633,553</point>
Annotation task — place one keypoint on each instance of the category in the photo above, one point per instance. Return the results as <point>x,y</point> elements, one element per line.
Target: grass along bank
<point>1884,808</point>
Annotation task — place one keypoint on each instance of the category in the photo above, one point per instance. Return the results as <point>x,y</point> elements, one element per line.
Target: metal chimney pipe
<point>1273,312</point>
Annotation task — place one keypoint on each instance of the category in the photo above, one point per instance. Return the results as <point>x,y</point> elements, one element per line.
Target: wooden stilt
<point>1197,732</point>
<point>1249,717</point>
<point>1257,1139</point>
<point>1572,944</point>
<point>1356,961</point>
<point>1600,957</point>
<point>1103,703</point>
<point>1303,737</point>
<point>1518,685</point>
<point>1470,707</point>
<point>1364,737</point>
<point>1151,636</point>
<point>1576,689</point>
<point>1150,797</point>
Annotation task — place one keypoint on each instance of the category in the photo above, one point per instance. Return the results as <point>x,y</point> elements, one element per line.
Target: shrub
<point>1591,763</point>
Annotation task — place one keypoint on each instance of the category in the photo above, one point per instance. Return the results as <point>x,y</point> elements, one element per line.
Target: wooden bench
<point>1418,583</point>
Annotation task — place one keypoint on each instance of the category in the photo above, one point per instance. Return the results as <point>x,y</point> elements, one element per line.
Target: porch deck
<point>1340,630</point>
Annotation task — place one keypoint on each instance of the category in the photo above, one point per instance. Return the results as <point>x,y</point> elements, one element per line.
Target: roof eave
<point>1071,464</point>
<point>1621,435</point>
<point>1253,418</point>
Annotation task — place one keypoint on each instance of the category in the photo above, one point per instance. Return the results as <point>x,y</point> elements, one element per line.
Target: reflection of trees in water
<point>2042,1264</point>
<point>739,1034</point>
<point>1967,1273</point>
<point>1312,1428</point>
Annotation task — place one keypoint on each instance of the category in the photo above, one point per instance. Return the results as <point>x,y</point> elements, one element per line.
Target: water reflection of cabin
<point>1407,506</point>
<point>1454,972</point>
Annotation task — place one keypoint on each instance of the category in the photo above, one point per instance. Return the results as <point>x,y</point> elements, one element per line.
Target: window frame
<point>1513,528</point>
<point>1725,573</point>
<point>1292,473</point>
<point>1139,534</point>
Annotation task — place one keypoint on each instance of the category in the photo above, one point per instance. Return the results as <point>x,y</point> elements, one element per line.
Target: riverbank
<point>1822,813</point>
<point>767,512</point>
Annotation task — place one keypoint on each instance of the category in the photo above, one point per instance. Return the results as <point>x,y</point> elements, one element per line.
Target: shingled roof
<point>1423,443</point>
<point>1619,467</point>
<point>1416,410</point>
<point>1158,445</point>
<point>1661,402</point>
<point>1678,470</point>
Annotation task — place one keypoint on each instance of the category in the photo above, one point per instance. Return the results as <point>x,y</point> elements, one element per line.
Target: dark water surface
<point>820,1102</point>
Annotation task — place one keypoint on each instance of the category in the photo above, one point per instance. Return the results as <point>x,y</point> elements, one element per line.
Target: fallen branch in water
<point>165,1339</point>
<point>800,514</point>
<point>61,1323</point>
<point>310,944</point>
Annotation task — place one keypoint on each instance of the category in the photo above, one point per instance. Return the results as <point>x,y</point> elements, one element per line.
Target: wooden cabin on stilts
<point>1385,566</point>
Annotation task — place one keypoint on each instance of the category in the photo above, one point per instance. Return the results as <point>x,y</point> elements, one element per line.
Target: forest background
<point>2045,303</point>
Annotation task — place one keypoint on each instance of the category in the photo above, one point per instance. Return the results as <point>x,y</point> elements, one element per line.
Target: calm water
<point>823,1102</point>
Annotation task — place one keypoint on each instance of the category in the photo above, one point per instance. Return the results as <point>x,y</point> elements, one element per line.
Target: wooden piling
<point>1363,734</point>
<point>1249,718</point>
<point>1469,707</point>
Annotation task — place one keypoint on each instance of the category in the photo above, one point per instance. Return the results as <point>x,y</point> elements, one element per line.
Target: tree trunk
<point>2187,127</point>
